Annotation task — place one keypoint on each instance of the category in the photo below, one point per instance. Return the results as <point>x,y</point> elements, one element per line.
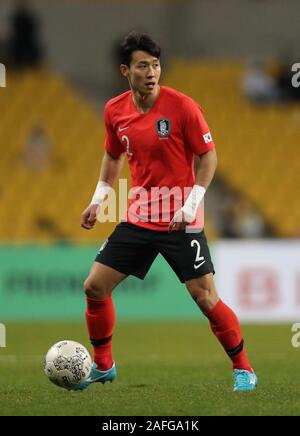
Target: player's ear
<point>124,70</point>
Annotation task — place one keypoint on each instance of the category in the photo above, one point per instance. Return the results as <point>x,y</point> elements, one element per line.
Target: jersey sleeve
<point>195,128</point>
<point>112,143</point>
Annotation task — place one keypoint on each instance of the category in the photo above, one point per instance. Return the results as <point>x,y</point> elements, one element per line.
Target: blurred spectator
<point>258,86</point>
<point>36,154</point>
<point>240,220</point>
<point>25,48</point>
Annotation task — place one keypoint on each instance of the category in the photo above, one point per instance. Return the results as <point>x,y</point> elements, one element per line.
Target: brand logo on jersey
<point>122,128</point>
<point>163,127</point>
<point>207,138</point>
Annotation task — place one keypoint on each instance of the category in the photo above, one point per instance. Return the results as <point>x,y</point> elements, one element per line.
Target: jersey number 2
<point>126,139</point>
<point>198,257</point>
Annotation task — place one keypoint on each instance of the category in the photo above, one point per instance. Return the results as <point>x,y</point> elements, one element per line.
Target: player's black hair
<point>137,41</point>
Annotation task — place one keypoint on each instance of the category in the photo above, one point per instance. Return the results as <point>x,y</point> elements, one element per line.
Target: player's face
<point>143,73</point>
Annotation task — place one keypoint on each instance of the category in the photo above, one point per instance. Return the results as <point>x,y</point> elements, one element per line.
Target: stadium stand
<point>45,204</point>
<point>258,145</point>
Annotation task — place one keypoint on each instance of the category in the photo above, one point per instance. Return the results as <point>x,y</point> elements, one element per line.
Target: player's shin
<point>100,319</point>
<point>226,327</point>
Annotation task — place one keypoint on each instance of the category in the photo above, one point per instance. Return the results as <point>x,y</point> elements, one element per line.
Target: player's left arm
<point>205,168</point>
<point>199,139</point>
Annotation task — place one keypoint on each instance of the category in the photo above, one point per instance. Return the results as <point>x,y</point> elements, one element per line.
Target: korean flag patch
<point>207,137</point>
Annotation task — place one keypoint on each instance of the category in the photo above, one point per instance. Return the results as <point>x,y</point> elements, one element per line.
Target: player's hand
<point>178,222</point>
<point>89,216</point>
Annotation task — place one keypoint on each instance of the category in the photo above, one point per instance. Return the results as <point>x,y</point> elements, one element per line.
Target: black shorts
<point>131,250</point>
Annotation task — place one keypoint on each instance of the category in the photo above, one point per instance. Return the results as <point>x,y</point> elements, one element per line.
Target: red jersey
<point>161,145</point>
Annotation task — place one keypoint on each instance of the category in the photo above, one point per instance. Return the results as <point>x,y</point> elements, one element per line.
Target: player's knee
<point>203,299</point>
<point>95,290</point>
<point>203,292</point>
<point>203,296</point>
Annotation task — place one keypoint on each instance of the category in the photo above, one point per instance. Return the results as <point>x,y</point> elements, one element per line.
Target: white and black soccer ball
<point>67,364</point>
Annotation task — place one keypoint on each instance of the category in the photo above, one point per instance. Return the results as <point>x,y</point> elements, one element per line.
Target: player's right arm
<point>111,168</point>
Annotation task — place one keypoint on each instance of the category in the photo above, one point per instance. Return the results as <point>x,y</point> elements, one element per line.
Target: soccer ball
<point>67,364</point>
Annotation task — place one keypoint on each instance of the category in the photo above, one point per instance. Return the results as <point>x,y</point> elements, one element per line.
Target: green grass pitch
<point>163,369</point>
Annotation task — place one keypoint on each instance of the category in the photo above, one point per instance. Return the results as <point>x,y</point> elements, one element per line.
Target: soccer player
<point>161,131</point>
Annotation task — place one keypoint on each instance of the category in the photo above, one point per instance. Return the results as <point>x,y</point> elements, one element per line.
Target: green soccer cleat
<point>244,381</point>
<point>97,376</point>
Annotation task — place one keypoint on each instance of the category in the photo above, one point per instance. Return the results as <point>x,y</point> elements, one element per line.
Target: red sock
<point>100,319</point>
<point>226,327</point>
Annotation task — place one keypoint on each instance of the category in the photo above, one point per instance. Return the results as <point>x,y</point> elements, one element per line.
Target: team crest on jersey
<point>163,127</point>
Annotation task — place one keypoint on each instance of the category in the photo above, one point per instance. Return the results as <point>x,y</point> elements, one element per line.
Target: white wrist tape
<point>102,190</point>
<point>191,205</point>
